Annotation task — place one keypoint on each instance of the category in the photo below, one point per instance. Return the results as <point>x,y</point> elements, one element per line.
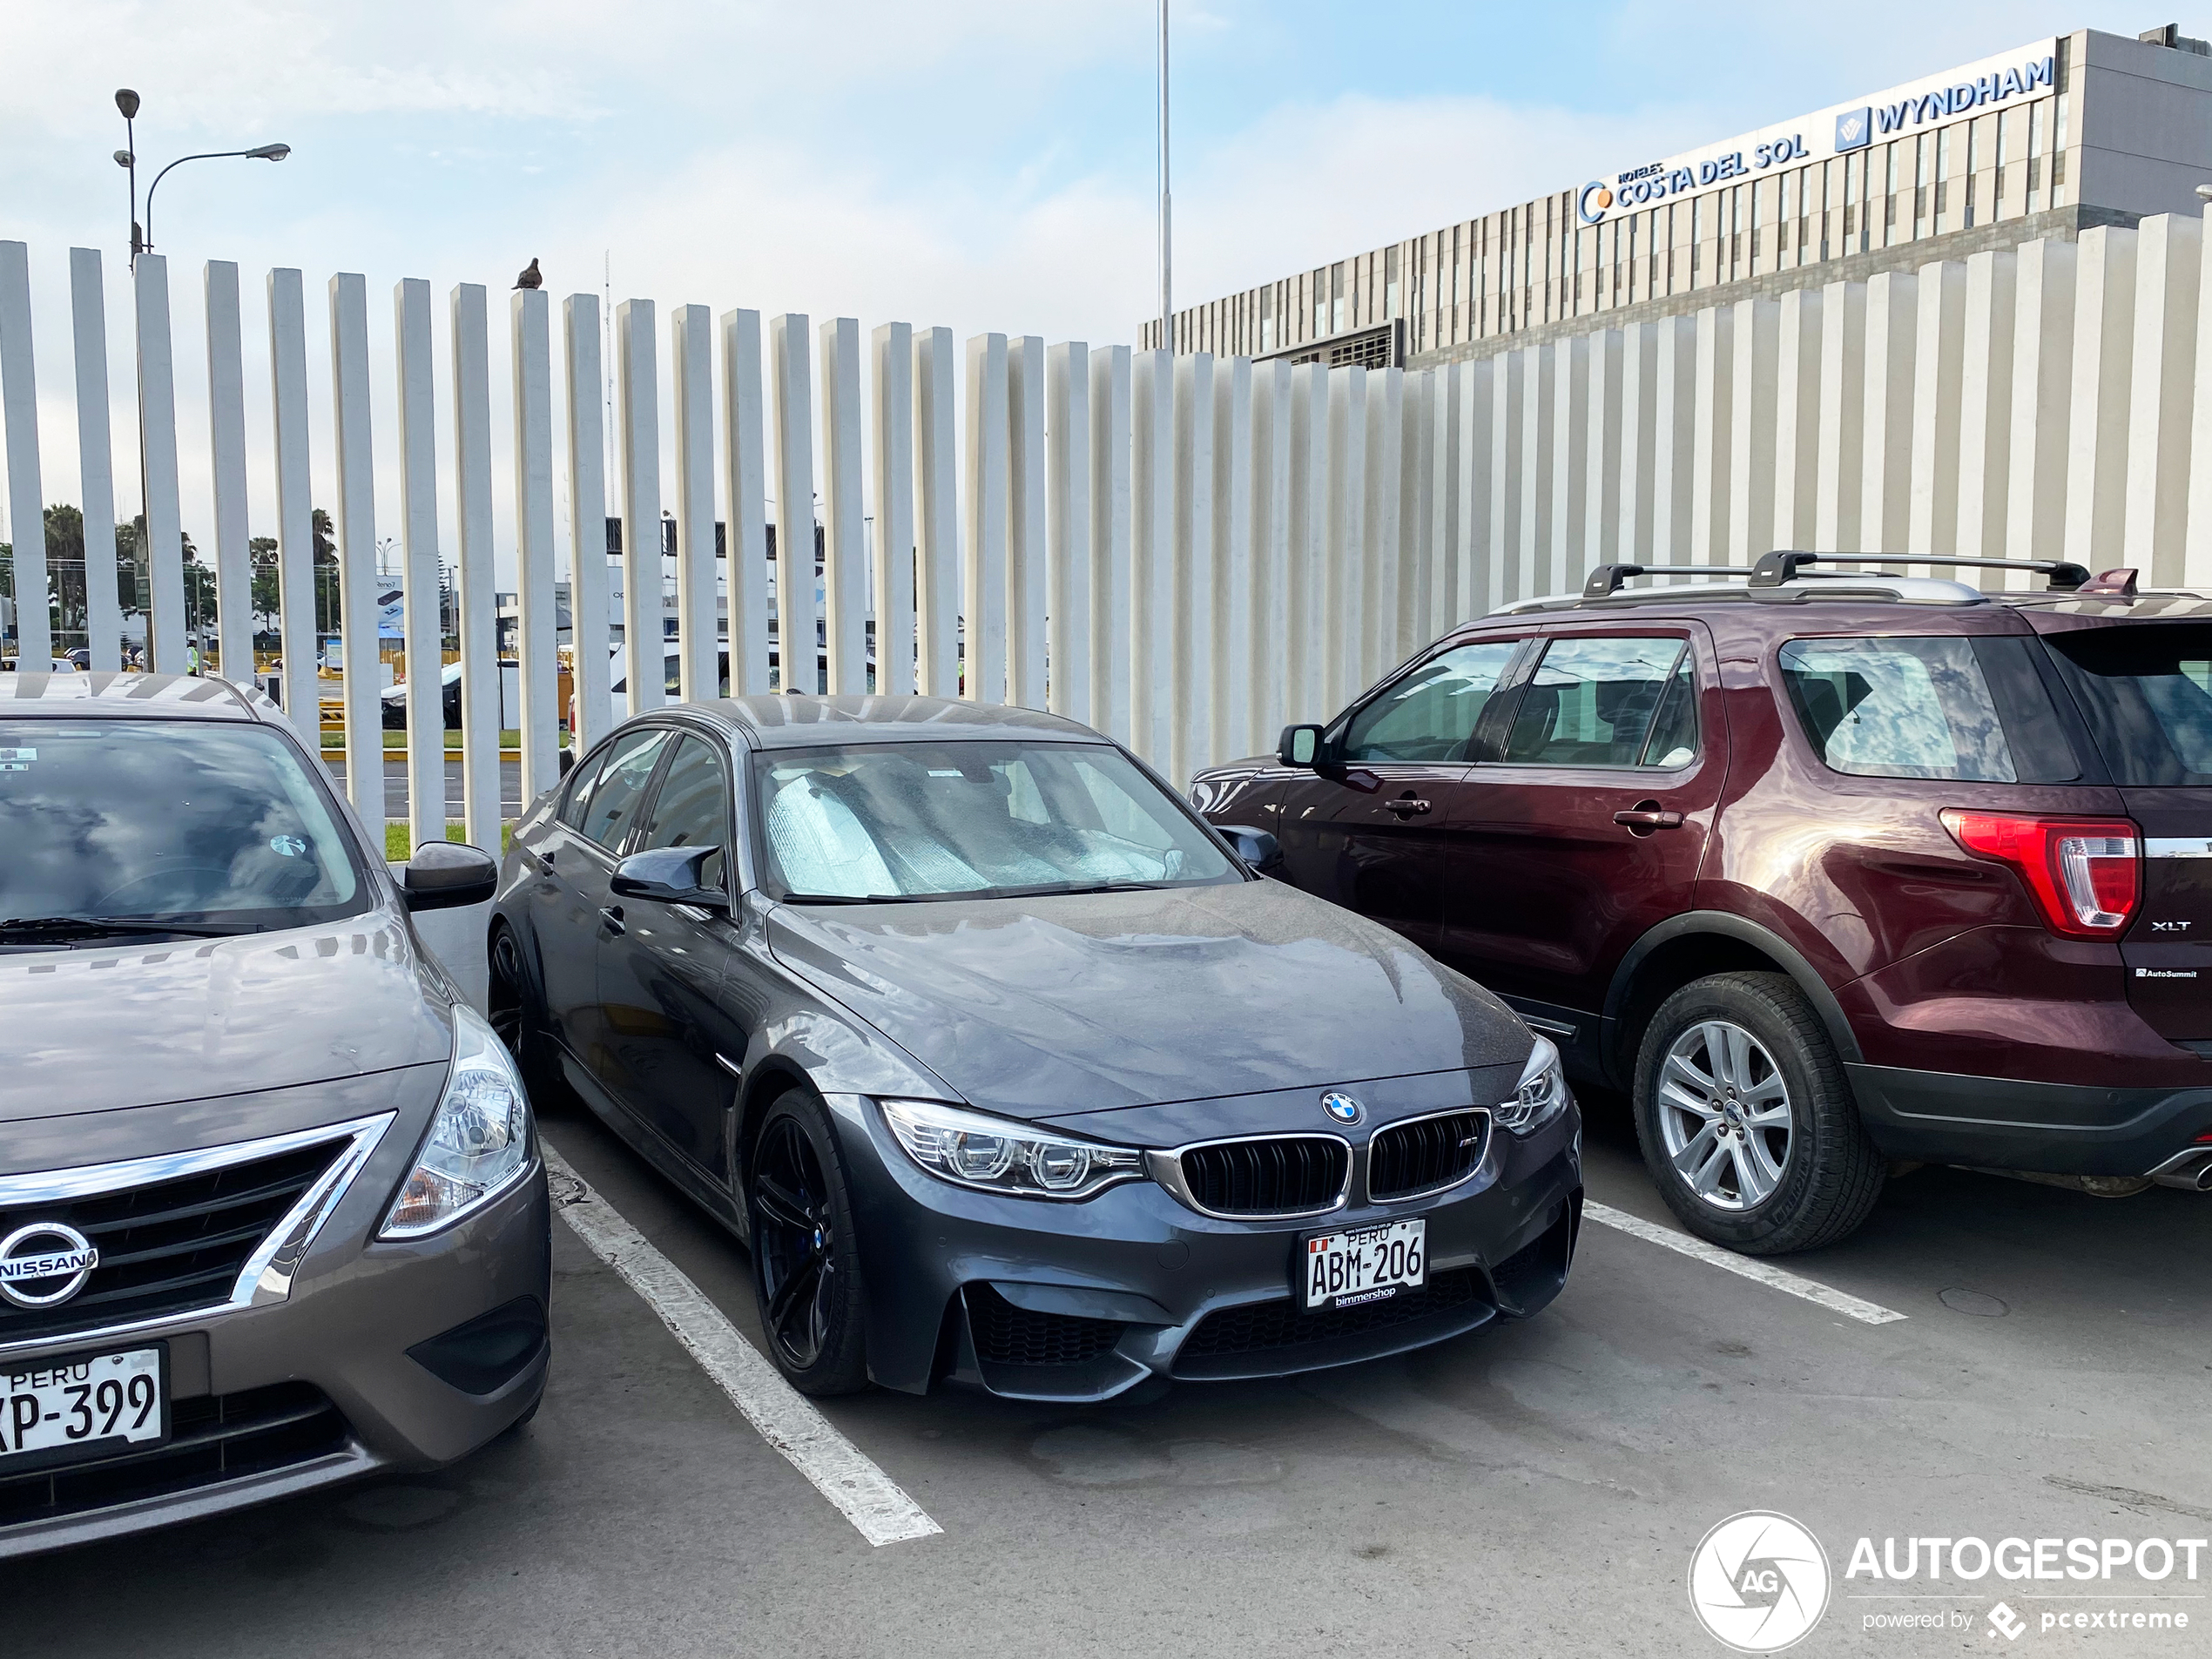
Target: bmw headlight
<point>1540,1097</point>
<point>992,1154</point>
<point>479,1142</point>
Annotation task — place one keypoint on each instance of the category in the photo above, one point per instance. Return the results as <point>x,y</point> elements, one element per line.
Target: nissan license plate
<point>1365,1264</point>
<point>81,1406</point>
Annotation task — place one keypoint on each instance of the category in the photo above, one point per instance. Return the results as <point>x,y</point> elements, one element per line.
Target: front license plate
<point>53,1409</point>
<point>1365,1265</point>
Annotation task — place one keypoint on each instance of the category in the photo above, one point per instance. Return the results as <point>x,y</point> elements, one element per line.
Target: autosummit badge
<point>2166,973</point>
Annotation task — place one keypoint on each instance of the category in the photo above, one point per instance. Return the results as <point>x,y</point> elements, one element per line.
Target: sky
<point>977,163</point>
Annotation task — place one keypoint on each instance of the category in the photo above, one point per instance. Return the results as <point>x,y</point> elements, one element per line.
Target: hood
<point>94,1029</point>
<point>1093,1001</point>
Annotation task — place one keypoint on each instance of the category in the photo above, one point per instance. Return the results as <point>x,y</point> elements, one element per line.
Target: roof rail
<point>1781,565</point>
<point>1611,578</point>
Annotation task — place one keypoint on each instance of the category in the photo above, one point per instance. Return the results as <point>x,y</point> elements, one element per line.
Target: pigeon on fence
<point>530,278</point>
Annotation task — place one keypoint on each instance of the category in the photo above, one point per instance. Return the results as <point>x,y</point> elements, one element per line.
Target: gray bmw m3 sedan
<point>272,1213</point>
<point>1012,1071</point>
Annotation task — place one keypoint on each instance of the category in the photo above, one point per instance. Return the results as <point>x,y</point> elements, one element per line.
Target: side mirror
<point>669,875</point>
<point>1300,746</point>
<point>443,875</point>
<point>1255,846</point>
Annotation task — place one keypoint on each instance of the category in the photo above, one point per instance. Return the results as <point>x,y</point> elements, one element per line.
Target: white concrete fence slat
<point>936,514</point>
<point>584,389</point>
<point>478,599</point>
<point>845,545</point>
<point>985,494</point>
<point>1068,544</point>
<point>891,550</point>
<point>422,597</point>
<point>96,460</point>
<point>690,330</point>
<point>637,443</point>
<point>1026,536</point>
<point>792,402</point>
<point>745,484</point>
<point>26,499</point>
<point>355,523</point>
<point>1187,552</point>
<point>1112,508</point>
<point>1190,622</point>
<point>163,548</point>
<point>227,471</point>
<point>536,630</point>
<point>296,643</point>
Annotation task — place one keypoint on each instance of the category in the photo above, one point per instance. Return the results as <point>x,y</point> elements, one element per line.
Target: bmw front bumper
<point>1033,1299</point>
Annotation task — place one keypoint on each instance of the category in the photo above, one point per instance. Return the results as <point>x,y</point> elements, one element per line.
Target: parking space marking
<point>1744,1267</point>
<point>871,1500</point>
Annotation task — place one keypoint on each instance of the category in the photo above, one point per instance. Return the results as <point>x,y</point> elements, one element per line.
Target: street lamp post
<point>127,102</point>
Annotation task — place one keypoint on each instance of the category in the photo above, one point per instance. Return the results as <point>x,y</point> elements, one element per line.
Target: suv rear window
<point>2146,690</point>
<point>1898,708</point>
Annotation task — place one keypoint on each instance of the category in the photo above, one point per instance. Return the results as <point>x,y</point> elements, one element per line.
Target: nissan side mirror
<point>669,875</point>
<point>1255,846</point>
<point>444,876</point>
<point>1300,746</point>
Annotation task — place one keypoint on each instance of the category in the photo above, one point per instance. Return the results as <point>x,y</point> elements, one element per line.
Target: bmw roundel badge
<point>1343,1108</point>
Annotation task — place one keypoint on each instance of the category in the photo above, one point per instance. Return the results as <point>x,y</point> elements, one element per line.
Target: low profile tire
<point>1746,1118</point>
<point>805,1258</point>
<point>518,1015</point>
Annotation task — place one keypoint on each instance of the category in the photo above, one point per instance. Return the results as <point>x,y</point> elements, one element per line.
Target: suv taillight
<point>2085,873</point>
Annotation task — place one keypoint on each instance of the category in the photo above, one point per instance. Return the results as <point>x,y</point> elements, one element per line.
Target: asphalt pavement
<point>396,786</point>
<point>1535,1489</point>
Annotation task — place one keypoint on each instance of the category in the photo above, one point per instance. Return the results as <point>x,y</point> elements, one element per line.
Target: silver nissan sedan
<point>272,1213</point>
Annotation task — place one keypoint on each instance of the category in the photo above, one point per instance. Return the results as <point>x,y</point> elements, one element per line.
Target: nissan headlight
<point>479,1144</point>
<point>993,1155</point>
<point>1542,1093</point>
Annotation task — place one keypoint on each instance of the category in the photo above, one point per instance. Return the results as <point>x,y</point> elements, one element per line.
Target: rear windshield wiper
<point>24,928</point>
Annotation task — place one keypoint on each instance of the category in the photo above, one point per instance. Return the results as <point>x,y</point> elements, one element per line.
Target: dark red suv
<point>1833,871</point>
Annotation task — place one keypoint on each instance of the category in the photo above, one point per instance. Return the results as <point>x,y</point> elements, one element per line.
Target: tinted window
<point>1592,702</point>
<point>1673,741</point>
<point>1430,714</point>
<point>191,821</point>
<point>613,804</point>
<point>579,796</point>
<point>692,806</point>
<point>1898,708</point>
<point>2147,692</point>
<point>923,820</point>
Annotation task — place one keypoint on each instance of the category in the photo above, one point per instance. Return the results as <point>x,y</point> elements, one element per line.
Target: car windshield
<point>975,820</point>
<point>215,827</point>
<point>2147,692</point>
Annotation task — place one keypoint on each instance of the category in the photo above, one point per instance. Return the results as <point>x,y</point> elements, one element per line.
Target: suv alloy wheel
<point>1746,1119</point>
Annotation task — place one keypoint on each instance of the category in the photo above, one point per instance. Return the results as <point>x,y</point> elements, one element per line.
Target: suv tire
<point>1747,1121</point>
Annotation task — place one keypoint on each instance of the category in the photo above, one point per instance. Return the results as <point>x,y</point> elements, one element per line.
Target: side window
<point>579,799</point>
<point>1429,713</point>
<point>1897,708</point>
<point>1597,702</point>
<point>692,806</point>
<point>621,780</point>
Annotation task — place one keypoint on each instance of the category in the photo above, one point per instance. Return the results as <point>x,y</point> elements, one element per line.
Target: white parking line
<point>1744,1267</point>
<point>871,1500</point>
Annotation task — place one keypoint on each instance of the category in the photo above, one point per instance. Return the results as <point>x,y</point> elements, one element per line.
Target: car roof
<point>802,722</point>
<point>128,696</point>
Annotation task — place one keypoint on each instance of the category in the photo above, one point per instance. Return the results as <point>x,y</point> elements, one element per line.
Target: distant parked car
<point>272,1212</point>
<point>1010,1070</point>
<point>1833,871</point>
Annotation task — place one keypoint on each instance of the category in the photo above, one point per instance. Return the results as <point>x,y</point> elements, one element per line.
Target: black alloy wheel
<point>805,1267</point>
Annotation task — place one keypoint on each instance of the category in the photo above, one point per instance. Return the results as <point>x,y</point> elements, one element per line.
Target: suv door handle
<point>1648,818</point>
<point>1408,807</point>
<point>612,917</point>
